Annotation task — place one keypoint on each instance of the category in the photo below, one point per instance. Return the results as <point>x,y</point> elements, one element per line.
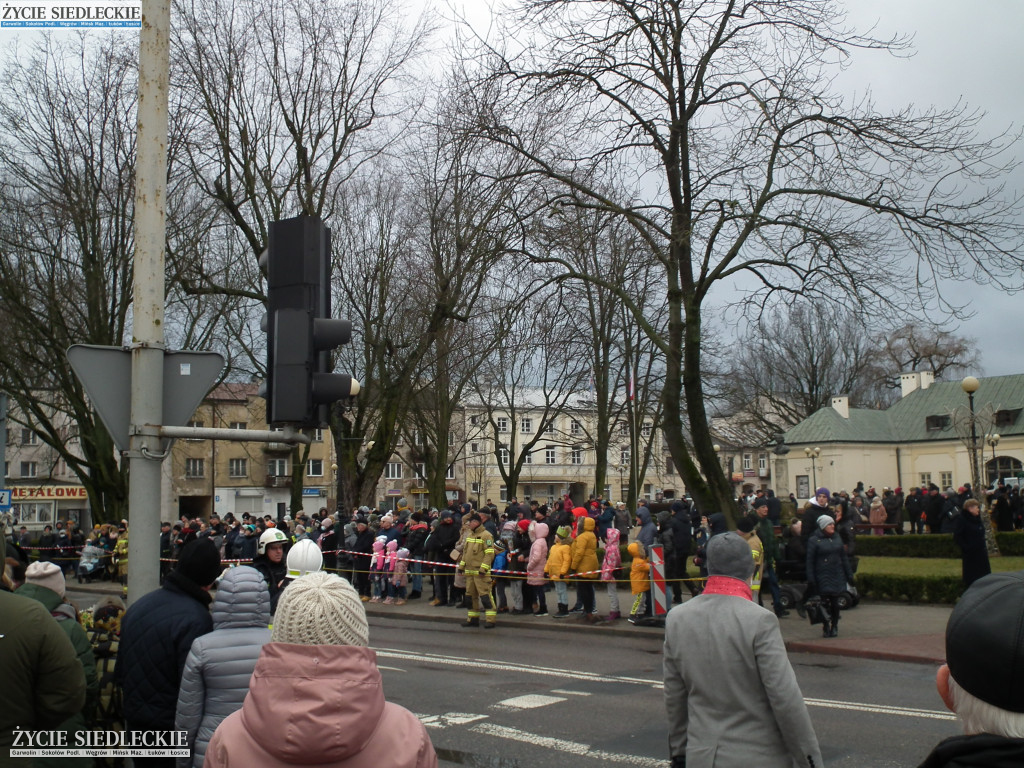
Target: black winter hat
<point>199,562</point>
<point>985,640</point>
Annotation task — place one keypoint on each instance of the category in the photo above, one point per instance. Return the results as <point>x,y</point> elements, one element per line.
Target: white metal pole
<point>148,301</point>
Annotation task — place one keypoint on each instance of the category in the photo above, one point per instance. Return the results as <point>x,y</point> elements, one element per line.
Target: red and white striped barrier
<point>658,581</point>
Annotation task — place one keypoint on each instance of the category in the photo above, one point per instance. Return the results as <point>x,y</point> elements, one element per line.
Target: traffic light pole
<point>145,452</point>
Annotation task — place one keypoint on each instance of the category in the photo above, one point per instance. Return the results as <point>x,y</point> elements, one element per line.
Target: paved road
<point>536,693</point>
<point>548,699</point>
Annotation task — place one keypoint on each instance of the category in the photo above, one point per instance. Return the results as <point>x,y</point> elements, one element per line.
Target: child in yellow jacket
<point>559,559</point>
<point>639,580</point>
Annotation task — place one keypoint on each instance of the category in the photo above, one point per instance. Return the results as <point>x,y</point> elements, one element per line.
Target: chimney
<point>910,382</point>
<point>927,379</point>
<point>842,405</point>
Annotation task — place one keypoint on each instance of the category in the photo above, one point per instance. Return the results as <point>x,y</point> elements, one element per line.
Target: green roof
<point>907,420</point>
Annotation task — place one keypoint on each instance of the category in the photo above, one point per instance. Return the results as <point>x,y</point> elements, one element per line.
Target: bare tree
<point>538,372</point>
<point>747,166</point>
<point>794,361</point>
<point>283,103</point>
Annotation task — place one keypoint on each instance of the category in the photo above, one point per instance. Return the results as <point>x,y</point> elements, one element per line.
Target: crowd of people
<point>217,650</point>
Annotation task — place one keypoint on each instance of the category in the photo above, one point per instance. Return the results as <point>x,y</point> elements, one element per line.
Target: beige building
<point>923,438</point>
<point>43,489</point>
<point>205,476</point>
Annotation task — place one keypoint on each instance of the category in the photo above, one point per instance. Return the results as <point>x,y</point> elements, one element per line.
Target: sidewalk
<point>886,631</point>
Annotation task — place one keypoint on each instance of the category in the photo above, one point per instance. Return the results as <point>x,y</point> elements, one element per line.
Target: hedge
<point>913,589</point>
<point>930,545</point>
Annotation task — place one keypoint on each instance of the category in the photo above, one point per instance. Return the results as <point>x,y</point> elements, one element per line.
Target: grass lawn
<point>930,566</point>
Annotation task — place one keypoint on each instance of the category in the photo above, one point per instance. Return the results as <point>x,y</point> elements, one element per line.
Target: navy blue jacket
<point>156,636</point>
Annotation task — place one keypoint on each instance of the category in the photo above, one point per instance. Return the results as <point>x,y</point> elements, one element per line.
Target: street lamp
<point>970,385</point>
<point>993,440</point>
<point>813,454</point>
<point>622,496</point>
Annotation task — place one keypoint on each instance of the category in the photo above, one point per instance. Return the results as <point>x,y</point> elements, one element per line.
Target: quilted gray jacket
<point>219,666</point>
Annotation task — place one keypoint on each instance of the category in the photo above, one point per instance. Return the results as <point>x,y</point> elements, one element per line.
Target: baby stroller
<point>90,565</point>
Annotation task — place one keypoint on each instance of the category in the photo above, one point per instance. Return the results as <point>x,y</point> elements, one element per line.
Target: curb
<point>803,646</point>
<point>618,628</point>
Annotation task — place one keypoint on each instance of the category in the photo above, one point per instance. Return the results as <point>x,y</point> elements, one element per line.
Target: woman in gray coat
<point>218,668</point>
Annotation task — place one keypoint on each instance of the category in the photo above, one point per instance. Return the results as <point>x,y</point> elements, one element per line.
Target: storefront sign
<point>49,492</point>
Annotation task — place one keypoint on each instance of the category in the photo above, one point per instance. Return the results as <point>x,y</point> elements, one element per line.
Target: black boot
<point>473,622</point>
<point>563,611</point>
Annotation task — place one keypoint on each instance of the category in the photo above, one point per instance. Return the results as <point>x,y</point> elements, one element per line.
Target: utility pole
<point>145,453</point>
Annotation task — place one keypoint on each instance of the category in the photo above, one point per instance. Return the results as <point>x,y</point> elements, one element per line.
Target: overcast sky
<point>963,50</point>
<point>969,51</point>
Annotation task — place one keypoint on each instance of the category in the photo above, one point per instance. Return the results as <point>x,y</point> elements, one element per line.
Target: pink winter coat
<point>319,705</point>
<point>538,560</point>
<point>612,557</point>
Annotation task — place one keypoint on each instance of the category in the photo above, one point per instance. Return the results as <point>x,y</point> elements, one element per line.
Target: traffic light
<point>300,331</point>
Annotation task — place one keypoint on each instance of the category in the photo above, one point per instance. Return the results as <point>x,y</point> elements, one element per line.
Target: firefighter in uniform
<point>477,556</point>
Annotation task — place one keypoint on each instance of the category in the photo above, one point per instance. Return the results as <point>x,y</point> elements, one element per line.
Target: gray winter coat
<point>219,666</point>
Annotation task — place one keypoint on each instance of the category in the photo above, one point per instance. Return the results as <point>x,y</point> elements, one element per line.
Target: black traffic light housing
<point>300,331</point>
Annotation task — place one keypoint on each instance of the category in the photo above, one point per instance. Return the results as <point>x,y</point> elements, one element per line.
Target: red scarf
<point>727,585</point>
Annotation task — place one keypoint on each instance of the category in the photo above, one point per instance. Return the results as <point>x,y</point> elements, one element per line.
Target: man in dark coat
<point>969,535</point>
<point>933,505</point>
<point>156,636</point>
<point>682,539</point>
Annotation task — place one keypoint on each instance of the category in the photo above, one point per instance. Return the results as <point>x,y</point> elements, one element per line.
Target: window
<point>527,492</point>
<point>608,491</point>
<point>549,428</point>
<point>503,493</point>
<point>277,468</point>
<point>526,426</point>
<point>195,468</point>
<point>449,473</point>
<point>762,461</point>
<point>398,442</point>
<point>549,454</point>
<point>28,469</point>
<point>528,458</point>
<point>503,456</point>
<point>645,430</point>
<point>623,429</point>
<point>926,479</point>
<point>418,438</point>
<point>451,437</point>
<point>238,425</point>
<point>748,461</point>
<point>238,468</point>
<point>393,471</point>
<point>474,488</point>
<point>670,468</point>
<point>575,428</point>
<point>624,456</point>
<point>474,420</point>
<point>945,479</point>
<point>577,456</point>
<point>421,471</point>
<point>318,435</point>
<point>937,423</point>
<point>502,423</point>
<point>1006,418</point>
<point>474,447</point>
<point>647,490</point>
<point>315,468</point>
<point>198,425</point>
<point>28,437</point>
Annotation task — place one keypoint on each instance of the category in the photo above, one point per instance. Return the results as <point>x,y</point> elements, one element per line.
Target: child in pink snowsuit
<point>610,571</point>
